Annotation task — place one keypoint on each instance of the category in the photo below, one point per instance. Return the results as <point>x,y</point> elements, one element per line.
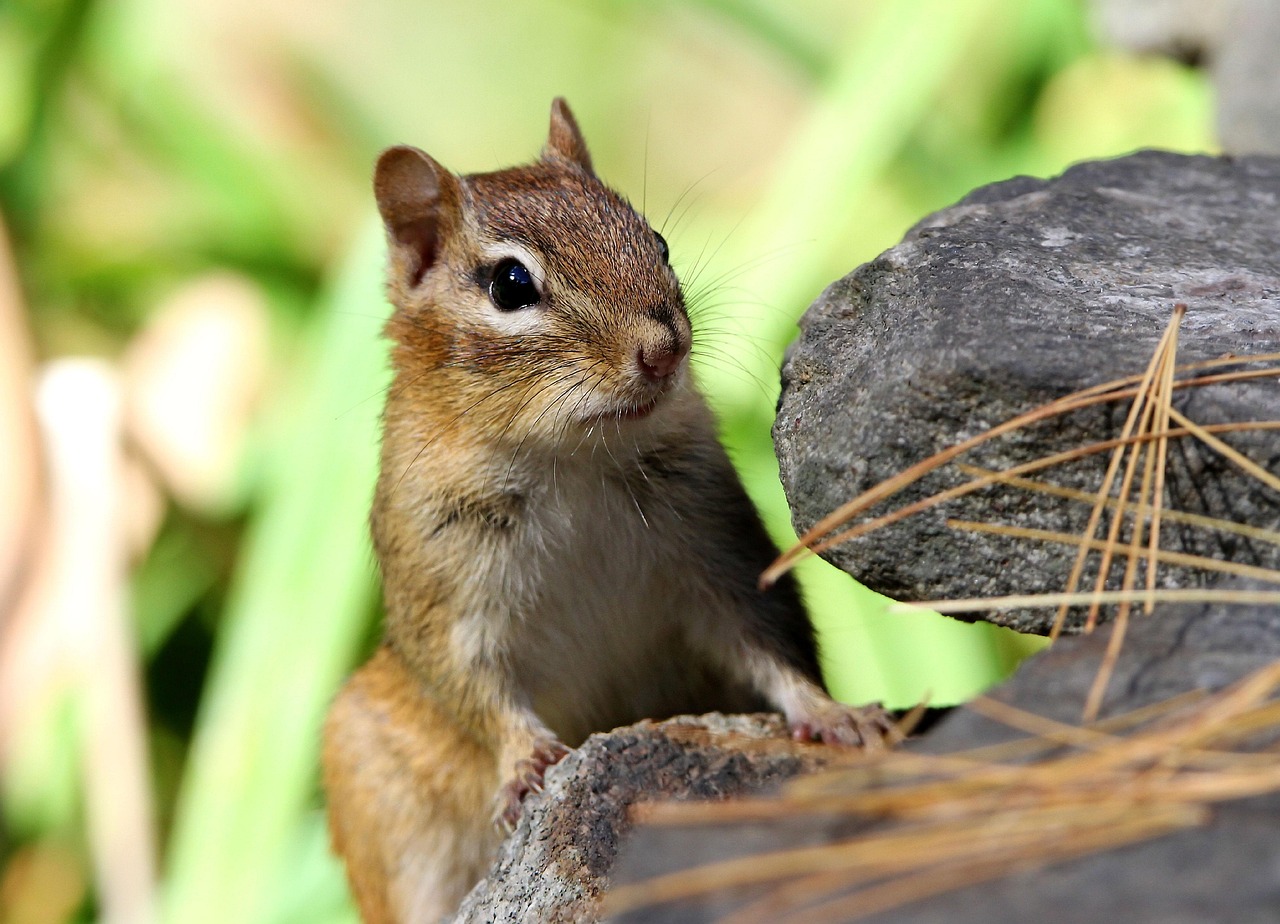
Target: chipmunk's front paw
<point>527,778</point>
<point>850,726</point>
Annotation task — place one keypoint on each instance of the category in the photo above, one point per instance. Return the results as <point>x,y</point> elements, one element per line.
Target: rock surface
<point>1021,293</point>
<point>553,868</point>
<point>1228,871</point>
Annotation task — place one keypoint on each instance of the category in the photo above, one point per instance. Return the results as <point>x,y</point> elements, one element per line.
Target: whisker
<point>528,399</point>
<point>666,228</point>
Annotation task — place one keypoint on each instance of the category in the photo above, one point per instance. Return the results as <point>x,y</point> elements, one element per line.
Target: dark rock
<point>1021,293</point>
<point>553,867</point>
<point>1228,871</point>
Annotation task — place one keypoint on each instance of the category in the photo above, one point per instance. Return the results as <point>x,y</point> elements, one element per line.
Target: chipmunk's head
<point>538,287</point>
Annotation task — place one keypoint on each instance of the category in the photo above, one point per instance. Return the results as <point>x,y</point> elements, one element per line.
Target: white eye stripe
<point>524,321</point>
<point>528,321</point>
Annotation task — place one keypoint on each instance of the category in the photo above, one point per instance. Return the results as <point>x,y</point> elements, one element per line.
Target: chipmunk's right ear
<point>419,201</point>
<point>564,140</point>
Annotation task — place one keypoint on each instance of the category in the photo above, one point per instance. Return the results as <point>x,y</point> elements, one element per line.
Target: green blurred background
<point>184,186</point>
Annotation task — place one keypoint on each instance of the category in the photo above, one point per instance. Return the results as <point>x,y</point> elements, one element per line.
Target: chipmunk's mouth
<point>618,411</point>
<point>638,411</point>
<point>630,404</point>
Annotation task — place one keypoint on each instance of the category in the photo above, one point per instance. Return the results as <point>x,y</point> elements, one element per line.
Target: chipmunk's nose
<point>659,361</point>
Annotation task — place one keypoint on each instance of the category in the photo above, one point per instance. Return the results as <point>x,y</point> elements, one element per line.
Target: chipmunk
<point>564,544</point>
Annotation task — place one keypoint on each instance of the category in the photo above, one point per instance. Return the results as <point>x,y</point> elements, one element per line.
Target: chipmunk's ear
<point>419,201</point>
<point>565,141</point>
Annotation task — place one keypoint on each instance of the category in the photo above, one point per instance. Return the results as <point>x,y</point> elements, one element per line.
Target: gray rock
<point>553,867</point>
<point>1021,293</point>
<point>1228,871</point>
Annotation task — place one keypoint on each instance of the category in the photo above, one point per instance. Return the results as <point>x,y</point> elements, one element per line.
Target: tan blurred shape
<point>192,378</point>
<point>42,884</point>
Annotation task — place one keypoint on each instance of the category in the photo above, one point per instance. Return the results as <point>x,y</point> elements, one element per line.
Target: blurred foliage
<point>144,144</point>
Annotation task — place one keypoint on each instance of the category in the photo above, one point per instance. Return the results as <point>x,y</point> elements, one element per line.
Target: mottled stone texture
<point>1021,293</point>
<point>554,867</point>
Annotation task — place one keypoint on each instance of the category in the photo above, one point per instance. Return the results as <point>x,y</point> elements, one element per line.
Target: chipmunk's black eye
<point>512,286</point>
<point>663,248</point>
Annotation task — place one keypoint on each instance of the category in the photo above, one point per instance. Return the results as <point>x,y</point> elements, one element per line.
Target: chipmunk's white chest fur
<point>590,598</point>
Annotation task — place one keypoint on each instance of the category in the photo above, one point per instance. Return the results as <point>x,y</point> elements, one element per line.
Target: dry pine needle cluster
<point>1131,491</point>
<point>940,822</point>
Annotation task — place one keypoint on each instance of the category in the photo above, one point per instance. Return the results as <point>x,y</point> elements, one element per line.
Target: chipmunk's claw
<point>528,776</point>
<point>867,726</point>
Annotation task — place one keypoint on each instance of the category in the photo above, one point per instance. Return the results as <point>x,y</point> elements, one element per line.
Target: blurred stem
<point>78,642</point>
<point>295,616</point>
<point>21,488</point>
